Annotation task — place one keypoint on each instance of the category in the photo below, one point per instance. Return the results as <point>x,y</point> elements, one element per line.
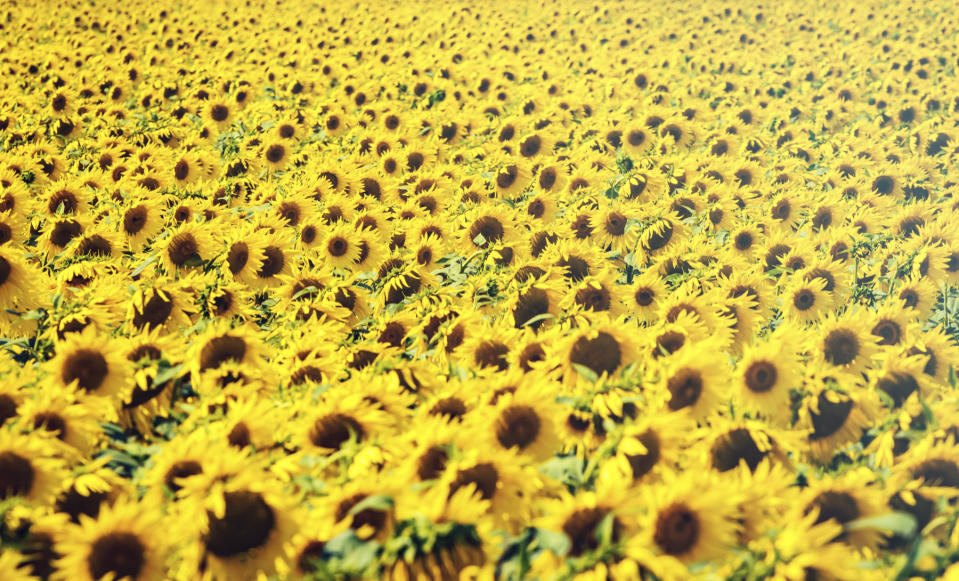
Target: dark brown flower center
<point>839,506</point>
<point>484,476</point>
<point>51,422</point>
<point>182,248</point>
<point>16,475</point>
<point>153,313</point>
<point>63,200</point>
<point>74,504</point>
<point>246,524</point>
<point>337,246</point>
<point>641,464</point>
<point>601,354</point>
<point>937,472</point>
<point>275,153</point>
<point>507,176</point>
<point>888,332</point>
<point>685,388</point>
<point>310,557</point>
<point>841,347</point>
<point>5,270</point>
<point>830,418</point>
<point>219,113</point>
<point>518,426</point>
<point>761,376</point>
<point>491,354</point>
<point>333,430</point>
<point>898,386</point>
<point>661,234</point>
<point>676,530</point>
<point>733,447</point>
<point>582,528</point>
<point>489,228</point>
<point>237,257</point>
<point>135,219</point>
<point>432,463</point>
<point>273,261</point>
<point>181,469</point>
<point>547,178</point>
<point>86,367</point>
<point>377,519</point>
<point>63,232</point>
<point>219,350</point>
<point>119,553</point>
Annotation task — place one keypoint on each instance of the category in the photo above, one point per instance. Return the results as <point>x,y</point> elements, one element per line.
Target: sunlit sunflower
<point>600,350</point>
<point>33,466</point>
<point>187,246</point>
<point>843,500</point>
<point>834,420</point>
<point>93,365</point>
<point>694,381</point>
<point>766,377</point>
<point>241,525</point>
<point>118,544</point>
<point>341,246</point>
<point>688,520</point>
<point>845,342</point>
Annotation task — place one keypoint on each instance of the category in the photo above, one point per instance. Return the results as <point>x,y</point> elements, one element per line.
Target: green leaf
<point>557,543</point>
<point>165,374</point>
<point>142,266</point>
<point>899,523</point>
<point>538,318</point>
<point>586,372</point>
<point>379,502</point>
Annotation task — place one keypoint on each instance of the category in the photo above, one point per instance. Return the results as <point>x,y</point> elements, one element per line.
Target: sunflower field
<point>592,290</point>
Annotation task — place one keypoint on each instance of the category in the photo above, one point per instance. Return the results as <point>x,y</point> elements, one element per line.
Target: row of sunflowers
<point>468,290</point>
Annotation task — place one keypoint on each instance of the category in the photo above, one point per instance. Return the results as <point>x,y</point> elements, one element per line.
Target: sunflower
<point>218,112</point>
<point>834,419</point>
<point>496,479</point>
<point>118,544</point>
<point>600,350</point>
<point>60,414</point>
<point>187,246</point>
<point>805,301</point>
<point>18,279</point>
<point>688,520</point>
<point>340,418</point>
<point>33,466</point>
<point>844,342</point>
<point>245,255</point>
<point>917,296</point>
<point>660,235</point>
<point>511,178</point>
<point>277,260</point>
<point>341,246</point>
<point>649,449</point>
<point>159,305</point>
<point>219,346</point>
<point>596,293</point>
<point>524,420</point>
<point>646,296</point>
<point>591,519</point>
<point>485,225</point>
<point>92,365</point>
<point>767,375</point>
<point>241,526</point>
<point>141,221</point>
<point>938,348</point>
<point>843,500</point>
<point>693,380</point>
